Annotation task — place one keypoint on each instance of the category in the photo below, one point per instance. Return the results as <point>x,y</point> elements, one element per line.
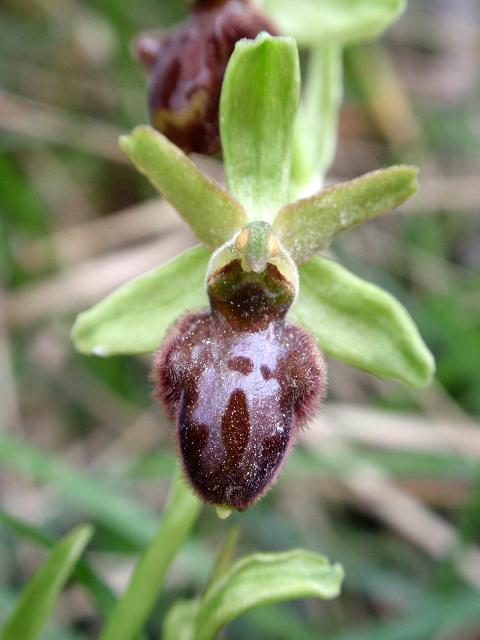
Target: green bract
<point>352,320</point>
<point>341,21</point>
<point>263,578</point>
<point>258,579</point>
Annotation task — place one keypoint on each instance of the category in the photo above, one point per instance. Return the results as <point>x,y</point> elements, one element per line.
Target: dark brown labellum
<point>240,382</point>
<point>187,68</point>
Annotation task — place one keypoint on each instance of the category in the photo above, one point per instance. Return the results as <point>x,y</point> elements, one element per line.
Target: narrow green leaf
<point>211,212</point>
<point>179,623</point>
<point>137,603</point>
<point>361,324</point>
<point>79,489</point>
<point>339,21</point>
<point>309,225</point>
<point>52,632</point>
<point>40,595</point>
<point>84,573</point>
<point>225,555</point>
<point>437,616</point>
<point>316,130</point>
<point>257,114</point>
<point>135,317</point>
<point>261,579</point>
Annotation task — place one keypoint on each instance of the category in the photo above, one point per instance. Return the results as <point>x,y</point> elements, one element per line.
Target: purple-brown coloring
<point>239,381</point>
<point>187,66</point>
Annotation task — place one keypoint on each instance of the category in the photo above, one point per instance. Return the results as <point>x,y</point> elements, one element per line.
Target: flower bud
<point>239,380</point>
<point>187,68</point>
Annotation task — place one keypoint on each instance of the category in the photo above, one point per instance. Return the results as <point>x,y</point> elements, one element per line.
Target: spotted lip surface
<point>187,76</point>
<point>239,383</point>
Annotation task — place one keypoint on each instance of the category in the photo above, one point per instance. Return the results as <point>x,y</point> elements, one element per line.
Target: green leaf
<point>309,225</point>
<point>40,595</point>
<point>261,579</point>
<point>80,490</point>
<point>211,212</point>
<point>316,128</point>
<point>84,573</point>
<point>225,554</point>
<point>257,114</point>
<point>135,317</point>
<point>339,21</point>
<point>179,623</point>
<point>133,609</point>
<point>361,324</point>
<point>438,616</point>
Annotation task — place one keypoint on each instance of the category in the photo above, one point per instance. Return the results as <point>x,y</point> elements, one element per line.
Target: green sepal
<point>264,578</point>
<point>39,597</point>
<point>211,212</point>
<point>309,225</point>
<point>340,21</point>
<point>259,101</point>
<point>360,324</point>
<point>135,317</point>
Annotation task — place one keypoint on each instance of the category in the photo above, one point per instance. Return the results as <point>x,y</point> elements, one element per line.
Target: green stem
<point>317,123</point>
<point>136,605</point>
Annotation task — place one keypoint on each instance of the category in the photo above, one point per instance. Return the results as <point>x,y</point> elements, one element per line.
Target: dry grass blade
<point>53,125</point>
<point>80,242</point>
<point>375,492</point>
<point>397,432</point>
<point>80,286</point>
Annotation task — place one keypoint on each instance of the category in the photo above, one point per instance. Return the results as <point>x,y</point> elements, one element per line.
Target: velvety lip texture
<point>239,381</point>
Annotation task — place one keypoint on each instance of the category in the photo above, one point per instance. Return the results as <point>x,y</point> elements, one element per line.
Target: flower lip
<point>239,399</point>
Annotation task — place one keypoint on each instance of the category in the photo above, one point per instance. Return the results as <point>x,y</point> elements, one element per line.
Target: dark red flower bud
<point>240,382</point>
<point>187,68</point>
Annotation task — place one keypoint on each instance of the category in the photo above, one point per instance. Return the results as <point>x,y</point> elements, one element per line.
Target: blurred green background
<point>386,480</point>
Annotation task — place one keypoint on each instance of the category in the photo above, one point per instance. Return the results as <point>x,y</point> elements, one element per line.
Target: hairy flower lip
<point>237,415</point>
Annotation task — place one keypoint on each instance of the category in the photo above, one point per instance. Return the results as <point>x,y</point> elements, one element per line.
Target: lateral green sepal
<point>358,323</point>
<point>135,317</point>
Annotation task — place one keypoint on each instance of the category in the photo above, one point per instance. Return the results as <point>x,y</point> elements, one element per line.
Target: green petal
<point>360,324</point>
<point>257,113</point>
<point>340,21</point>
<point>135,317</point>
<point>309,225</point>
<point>40,595</point>
<point>211,212</point>
<point>261,579</point>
